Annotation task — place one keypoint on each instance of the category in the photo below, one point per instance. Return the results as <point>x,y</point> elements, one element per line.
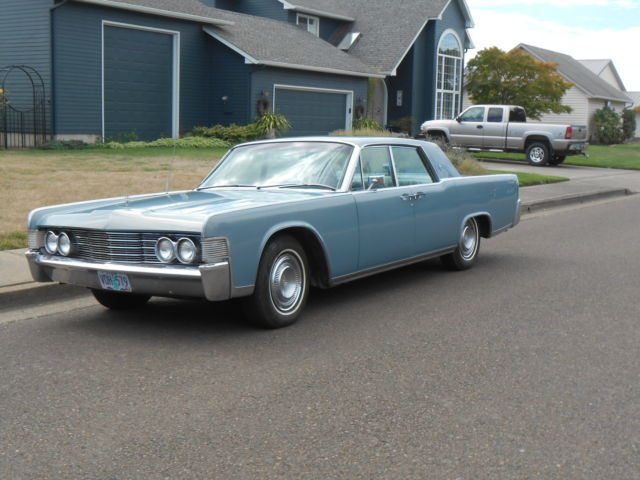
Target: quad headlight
<point>165,250</point>
<point>64,244</point>
<point>51,242</point>
<point>58,244</point>
<point>186,251</point>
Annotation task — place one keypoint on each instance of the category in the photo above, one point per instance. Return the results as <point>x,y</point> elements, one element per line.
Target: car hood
<point>177,211</point>
<point>438,123</point>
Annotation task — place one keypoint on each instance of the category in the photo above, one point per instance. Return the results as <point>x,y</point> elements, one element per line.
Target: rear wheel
<point>282,285</point>
<point>538,154</point>
<point>118,300</point>
<point>466,253</point>
<point>557,159</point>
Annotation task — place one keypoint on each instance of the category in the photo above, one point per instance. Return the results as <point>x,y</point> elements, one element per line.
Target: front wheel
<point>118,300</point>
<point>466,253</point>
<point>538,154</point>
<point>282,285</point>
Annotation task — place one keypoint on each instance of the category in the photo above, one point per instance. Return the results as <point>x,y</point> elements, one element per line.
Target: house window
<point>309,23</point>
<point>448,76</point>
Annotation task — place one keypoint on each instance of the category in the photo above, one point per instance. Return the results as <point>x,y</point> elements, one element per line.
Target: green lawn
<point>530,179</point>
<point>625,156</point>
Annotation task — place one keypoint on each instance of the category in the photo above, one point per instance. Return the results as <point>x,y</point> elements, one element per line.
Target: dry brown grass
<point>34,179</point>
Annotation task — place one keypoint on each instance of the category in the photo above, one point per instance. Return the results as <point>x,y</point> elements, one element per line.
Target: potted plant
<point>271,123</point>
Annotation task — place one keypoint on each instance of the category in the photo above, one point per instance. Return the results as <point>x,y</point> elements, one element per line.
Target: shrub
<point>362,132</point>
<point>608,126</point>
<point>186,142</point>
<point>232,133</point>
<point>365,123</point>
<point>628,124</point>
<point>64,145</point>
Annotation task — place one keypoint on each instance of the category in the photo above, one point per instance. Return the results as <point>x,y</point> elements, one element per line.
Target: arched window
<point>449,76</point>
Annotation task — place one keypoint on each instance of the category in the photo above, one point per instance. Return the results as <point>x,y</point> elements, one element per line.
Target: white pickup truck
<point>505,128</point>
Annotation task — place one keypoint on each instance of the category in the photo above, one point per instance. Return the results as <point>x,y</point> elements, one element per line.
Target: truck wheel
<point>466,254</point>
<point>557,159</point>
<point>437,137</point>
<point>118,300</point>
<point>538,154</point>
<point>282,285</point>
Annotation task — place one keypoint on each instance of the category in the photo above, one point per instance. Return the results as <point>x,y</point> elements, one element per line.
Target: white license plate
<point>578,146</point>
<point>117,282</point>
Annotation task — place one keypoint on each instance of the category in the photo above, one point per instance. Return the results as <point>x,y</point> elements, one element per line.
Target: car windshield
<point>319,165</point>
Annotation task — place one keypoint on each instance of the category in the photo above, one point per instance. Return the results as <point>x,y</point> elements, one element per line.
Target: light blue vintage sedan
<point>272,219</point>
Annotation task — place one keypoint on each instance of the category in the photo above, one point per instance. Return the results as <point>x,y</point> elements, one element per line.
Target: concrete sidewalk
<point>587,184</point>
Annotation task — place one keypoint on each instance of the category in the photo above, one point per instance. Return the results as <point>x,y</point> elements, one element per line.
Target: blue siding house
<point>157,68</point>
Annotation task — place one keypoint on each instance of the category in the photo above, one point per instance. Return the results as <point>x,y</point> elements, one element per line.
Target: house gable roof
<point>279,44</point>
<point>598,67</point>
<point>578,74</point>
<point>388,29</point>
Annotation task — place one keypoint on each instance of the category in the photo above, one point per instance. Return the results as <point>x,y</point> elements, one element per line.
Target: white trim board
<point>349,94</point>
<point>156,11</point>
<point>175,87</point>
<point>289,6</point>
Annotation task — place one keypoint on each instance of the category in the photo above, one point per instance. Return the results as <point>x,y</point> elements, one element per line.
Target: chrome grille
<point>118,247</point>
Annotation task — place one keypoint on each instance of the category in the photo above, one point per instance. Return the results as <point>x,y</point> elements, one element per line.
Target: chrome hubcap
<point>287,282</point>
<point>469,240</point>
<point>536,155</point>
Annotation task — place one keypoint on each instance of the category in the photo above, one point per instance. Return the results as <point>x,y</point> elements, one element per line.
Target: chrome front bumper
<point>212,281</point>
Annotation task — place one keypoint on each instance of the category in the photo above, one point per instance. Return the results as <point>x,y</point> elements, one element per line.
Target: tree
<point>516,78</point>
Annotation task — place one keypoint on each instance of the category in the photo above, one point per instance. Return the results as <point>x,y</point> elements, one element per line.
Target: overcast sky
<point>584,29</point>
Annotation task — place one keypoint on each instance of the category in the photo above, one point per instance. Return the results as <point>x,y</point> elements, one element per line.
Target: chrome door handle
<point>406,197</point>
<point>419,195</point>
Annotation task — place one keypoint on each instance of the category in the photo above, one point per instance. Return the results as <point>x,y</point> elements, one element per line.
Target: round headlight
<point>51,243</point>
<point>64,244</point>
<point>165,250</point>
<point>186,251</point>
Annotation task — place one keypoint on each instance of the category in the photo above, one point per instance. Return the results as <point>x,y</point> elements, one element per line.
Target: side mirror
<point>458,119</point>
<point>375,183</point>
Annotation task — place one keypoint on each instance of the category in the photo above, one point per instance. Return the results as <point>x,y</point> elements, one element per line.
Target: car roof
<point>354,141</point>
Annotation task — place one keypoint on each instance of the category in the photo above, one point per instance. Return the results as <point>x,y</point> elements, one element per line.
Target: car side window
<point>474,114</point>
<point>495,115</point>
<point>357,183</point>
<point>376,163</point>
<point>410,167</point>
<point>517,115</point>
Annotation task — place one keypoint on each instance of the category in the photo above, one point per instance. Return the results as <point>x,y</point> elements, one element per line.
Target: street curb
<point>573,199</point>
<point>524,163</point>
<point>33,293</point>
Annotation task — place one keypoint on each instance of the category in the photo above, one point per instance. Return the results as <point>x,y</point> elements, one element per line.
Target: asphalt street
<point>527,366</point>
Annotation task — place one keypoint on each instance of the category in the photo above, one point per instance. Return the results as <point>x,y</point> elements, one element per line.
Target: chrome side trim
<point>245,291</point>
<point>390,266</point>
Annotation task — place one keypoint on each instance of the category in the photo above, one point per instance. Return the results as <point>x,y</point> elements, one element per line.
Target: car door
<point>436,209</point>
<point>495,128</point>
<point>385,211</point>
<point>467,130</point>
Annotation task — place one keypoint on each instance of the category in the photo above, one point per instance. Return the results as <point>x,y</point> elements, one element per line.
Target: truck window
<point>495,115</point>
<point>517,115</point>
<point>474,114</point>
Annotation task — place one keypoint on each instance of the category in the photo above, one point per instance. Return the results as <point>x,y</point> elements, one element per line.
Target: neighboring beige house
<point>596,83</point>
<point>635,96</point>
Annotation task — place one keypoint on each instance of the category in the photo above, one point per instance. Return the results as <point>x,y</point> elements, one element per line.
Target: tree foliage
<point>516,78</point>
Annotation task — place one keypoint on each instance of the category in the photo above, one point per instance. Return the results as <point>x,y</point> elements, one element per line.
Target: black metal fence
<point>23,108</point>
